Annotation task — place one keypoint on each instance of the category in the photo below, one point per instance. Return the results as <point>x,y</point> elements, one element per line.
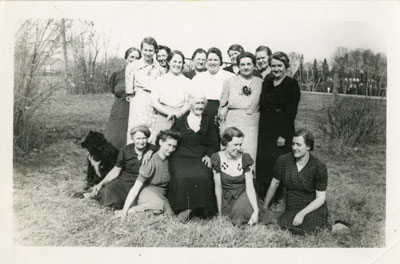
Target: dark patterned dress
<point>114,193</point>
<point>278,109</point>
<point>300,192</point>
<point>118,121</point>
<point>235,202</point>
<point>191,185</point>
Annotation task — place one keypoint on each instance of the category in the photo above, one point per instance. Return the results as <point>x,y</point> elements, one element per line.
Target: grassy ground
<point>45,214</point>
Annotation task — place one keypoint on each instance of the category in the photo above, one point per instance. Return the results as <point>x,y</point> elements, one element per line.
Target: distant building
<point>52,66</point>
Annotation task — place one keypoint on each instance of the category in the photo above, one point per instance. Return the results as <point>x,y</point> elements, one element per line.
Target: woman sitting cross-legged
<point>305,179</point>
<point>113,189</point>
<point>151,185</point>
<point>234,188</point>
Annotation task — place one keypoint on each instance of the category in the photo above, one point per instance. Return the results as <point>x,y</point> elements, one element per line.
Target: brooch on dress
<point>246,90</point>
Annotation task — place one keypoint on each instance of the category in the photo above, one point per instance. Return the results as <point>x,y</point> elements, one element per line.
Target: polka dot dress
<point>300,192</point>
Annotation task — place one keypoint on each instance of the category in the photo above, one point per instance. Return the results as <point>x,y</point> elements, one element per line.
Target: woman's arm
<point>155,96</point>
<point>218,190</point>
<point>111,175</point>
<point>291,104</point>
<point>133,193</point>
<point>251,194</point>
<point>129,78</point>
<point>314,205</point>
<point>271,191</point>
<point>223,102</point>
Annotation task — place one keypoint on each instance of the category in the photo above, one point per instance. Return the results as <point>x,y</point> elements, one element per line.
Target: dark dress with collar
<point>278,109</point>
<point>300,192</point>
<point>118,121</point>
<point>114,193</point>
<point>191,185</point>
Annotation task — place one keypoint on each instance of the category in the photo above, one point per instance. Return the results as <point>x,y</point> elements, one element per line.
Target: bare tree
<point>37,40</point>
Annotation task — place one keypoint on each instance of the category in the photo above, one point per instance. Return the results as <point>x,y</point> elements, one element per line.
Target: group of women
<point>236,128</point>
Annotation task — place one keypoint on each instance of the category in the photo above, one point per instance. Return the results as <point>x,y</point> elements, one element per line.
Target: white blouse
<point>194,122</point>
<point>171,90</point>
<point>211,84</point>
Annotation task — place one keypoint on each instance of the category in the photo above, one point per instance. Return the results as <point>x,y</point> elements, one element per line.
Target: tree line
<point>357,71</point>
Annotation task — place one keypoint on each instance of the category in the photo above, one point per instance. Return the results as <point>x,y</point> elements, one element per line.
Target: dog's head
<point>93,140</point>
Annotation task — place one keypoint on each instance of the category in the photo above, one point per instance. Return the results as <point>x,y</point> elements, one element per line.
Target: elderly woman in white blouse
<point>169,93</point>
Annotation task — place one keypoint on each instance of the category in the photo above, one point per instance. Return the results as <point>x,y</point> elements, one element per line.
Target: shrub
<point>36,41</point>
<point>351,121</point>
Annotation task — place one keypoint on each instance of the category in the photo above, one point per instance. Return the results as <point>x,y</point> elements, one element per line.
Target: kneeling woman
<point>234,188</point>
<point>191,188</point>
<point>306,180</point>
<point>114,188</point>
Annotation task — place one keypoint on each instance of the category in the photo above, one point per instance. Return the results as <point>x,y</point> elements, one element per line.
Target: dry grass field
<point>45,214</point>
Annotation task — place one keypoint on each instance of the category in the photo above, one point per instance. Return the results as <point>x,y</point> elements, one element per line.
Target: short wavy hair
<point>150,41</point>
<point>172,54</point>
<point>264,48</point>
<point>236,47</point>
<point>198,51</point>
<point>280,56</point>
<point>130,50</point>
<point>168,133</point>
<point>144,129</point>
<point>229,134</point>
<point>217,52</point>
<point>246,55</point>
<point>162,47</point>
<point>307,136</point>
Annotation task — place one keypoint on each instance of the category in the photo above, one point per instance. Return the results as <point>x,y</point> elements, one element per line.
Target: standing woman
<point>139,78</point>
<point>191,186</point>
<point>234,51</point>
<point>169,93</point>
<point>118,122</point>
<point>239,104</point>
<point>199,62</point>
<point>279,100</point>
<point>211,81</point>
<point>162,54</point>
<point>263,53</point>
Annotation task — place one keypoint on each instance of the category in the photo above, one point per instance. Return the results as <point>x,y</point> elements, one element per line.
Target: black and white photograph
<point>200,131</point>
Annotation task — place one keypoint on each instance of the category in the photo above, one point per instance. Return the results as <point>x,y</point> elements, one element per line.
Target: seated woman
<point>151,186</point>
<point>169,93</point>
<point>306,180</point>
<point>191,188</point>
<point>234,188</point>
<point>113,189</point>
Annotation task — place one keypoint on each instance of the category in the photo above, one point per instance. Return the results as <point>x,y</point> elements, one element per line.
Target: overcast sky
<point>312,28</point>
<point>281,27</point>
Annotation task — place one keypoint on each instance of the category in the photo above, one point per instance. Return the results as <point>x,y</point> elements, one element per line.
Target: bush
<point>35,42</point>
<point>351,121</point>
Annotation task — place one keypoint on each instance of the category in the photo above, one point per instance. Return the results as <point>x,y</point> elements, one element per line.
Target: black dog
<point>101,159</point>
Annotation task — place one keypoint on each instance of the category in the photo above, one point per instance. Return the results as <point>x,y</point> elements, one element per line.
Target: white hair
<point>196,94</point>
